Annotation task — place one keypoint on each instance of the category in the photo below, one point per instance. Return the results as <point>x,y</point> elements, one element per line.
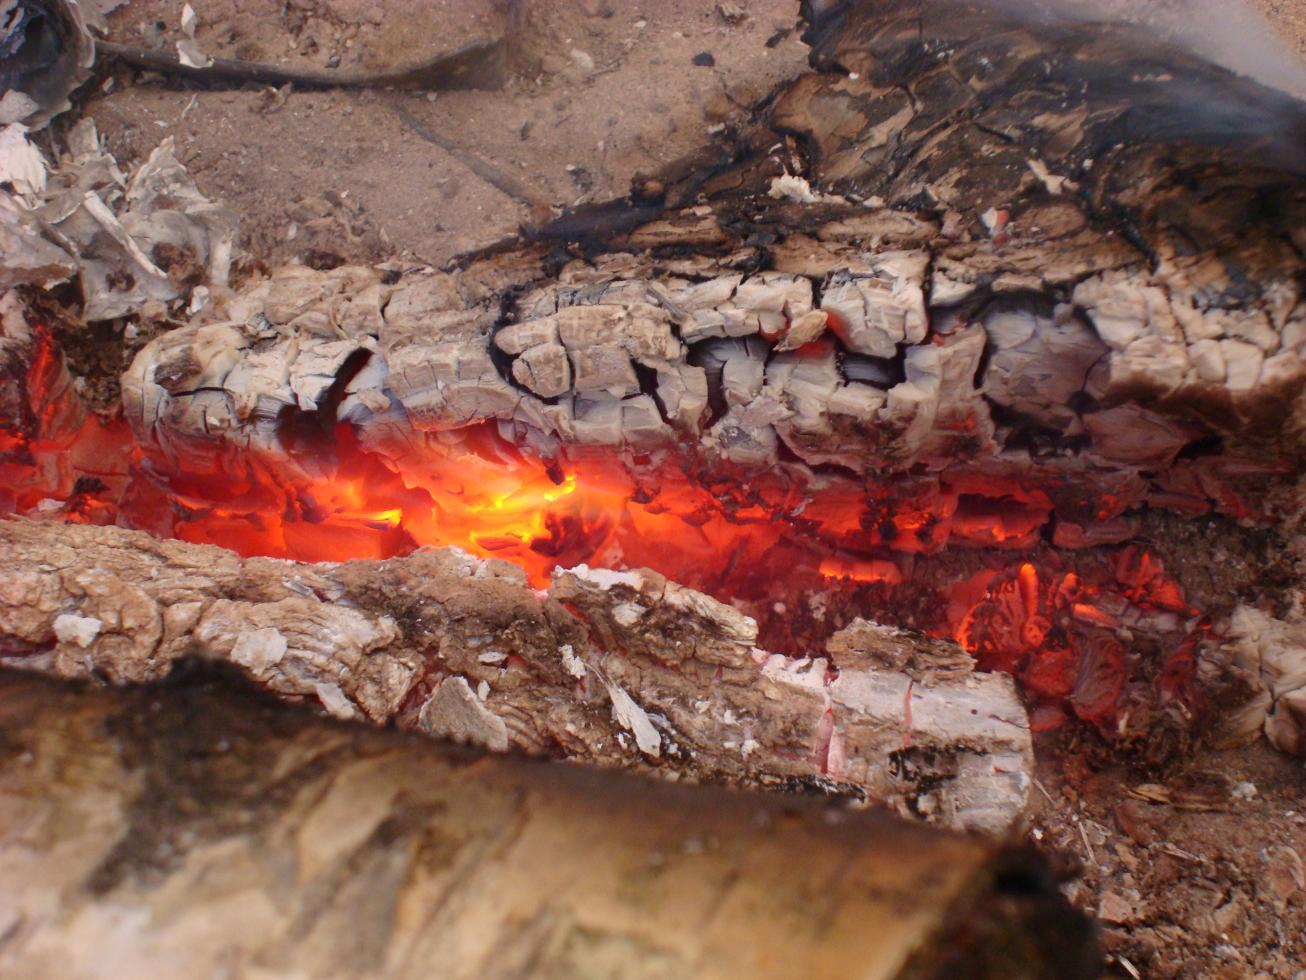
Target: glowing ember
<point>1062,636</point>
<point>768,540</point>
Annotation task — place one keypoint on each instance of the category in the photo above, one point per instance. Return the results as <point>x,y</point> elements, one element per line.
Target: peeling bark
<point>618,668</point>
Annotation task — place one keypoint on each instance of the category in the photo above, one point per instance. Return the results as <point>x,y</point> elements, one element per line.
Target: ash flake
<point>572,663</point>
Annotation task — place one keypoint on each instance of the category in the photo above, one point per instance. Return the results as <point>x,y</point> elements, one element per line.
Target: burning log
<point>972,300</point>
<point>201,830</point>
<point>619,668</point>
<point>1021,304</point>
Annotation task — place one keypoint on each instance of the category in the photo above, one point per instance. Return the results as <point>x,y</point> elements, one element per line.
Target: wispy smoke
<point>1232,33</point>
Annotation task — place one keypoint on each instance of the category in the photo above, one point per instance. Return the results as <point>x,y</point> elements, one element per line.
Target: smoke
<point>1243,40</point>
<point>1231,33</point>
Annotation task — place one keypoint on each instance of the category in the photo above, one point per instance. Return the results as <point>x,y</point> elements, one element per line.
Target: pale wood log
<point>197,830</point>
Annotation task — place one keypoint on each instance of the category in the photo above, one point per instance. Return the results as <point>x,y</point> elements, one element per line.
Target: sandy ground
<point>1199,874</point>
<point>601,91</point>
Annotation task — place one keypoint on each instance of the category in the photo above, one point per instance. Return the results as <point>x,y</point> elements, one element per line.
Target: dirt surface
<point>598,92</point>
<point>1198,876</point>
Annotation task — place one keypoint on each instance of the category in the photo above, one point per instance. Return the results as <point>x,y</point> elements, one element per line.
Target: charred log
<point>991,245</point>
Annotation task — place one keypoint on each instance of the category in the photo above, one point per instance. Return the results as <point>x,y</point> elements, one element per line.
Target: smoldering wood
<point>617,668</point>
<point>198,828</point>
<point>973,249</point>
<point>1045,251</point>
<point>1048,297</point>
<point>1080,298</point>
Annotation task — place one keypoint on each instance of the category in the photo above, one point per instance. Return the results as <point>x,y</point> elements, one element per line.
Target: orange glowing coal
<point>1066,638</point>
<point>766,540</point>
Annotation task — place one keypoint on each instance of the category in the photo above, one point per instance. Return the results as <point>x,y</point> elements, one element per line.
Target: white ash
<point>334,701</point>
<point>80,630</point>
<point>105,227</point>
<point>259,650</point>
<point>634,719</point>
<point>573,664</point>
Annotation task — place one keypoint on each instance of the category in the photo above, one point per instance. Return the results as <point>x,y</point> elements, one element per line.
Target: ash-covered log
<point>618,668</point>
<point>197,829</point>
<point>1049,261</point>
